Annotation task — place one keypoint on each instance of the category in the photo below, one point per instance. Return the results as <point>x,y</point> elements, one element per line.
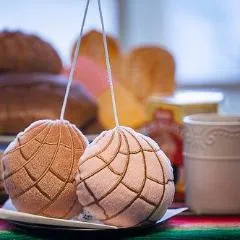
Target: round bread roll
<point>26,98</point>
<point>149,71</point>
<point>92,46</point>
<point>40,166</point>
<point>20,52</point>
<point>124,179</point>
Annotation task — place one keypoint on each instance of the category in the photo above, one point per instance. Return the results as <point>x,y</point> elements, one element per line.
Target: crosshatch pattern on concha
<point>40,167</point>
<point>124,173</point>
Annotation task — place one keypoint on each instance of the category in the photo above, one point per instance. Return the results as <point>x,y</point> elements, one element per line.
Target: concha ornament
<point>40,166</point>
<point>124,179</point>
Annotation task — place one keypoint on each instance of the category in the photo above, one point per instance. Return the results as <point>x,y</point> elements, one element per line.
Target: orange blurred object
<point>92,47</point>
<point>94,78</point>
<point>152,69</point>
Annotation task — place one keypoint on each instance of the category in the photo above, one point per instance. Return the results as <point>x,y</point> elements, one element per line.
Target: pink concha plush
<point>124,179</point>
<point>40,167</point>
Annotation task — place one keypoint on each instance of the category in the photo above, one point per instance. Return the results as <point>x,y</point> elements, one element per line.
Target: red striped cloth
<point>204,221</point>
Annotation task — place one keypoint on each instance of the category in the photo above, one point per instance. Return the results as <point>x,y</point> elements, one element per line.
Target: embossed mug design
<point>212,163</point>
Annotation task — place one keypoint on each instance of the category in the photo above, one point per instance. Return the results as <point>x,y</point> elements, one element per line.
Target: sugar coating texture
<point>124,179</point>
<point>40,166</point>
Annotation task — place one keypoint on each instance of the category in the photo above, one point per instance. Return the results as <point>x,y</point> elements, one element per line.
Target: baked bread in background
<point>25,53</point>
<point>92,47</point>
<point>149,70</point>
<point>26,98</point>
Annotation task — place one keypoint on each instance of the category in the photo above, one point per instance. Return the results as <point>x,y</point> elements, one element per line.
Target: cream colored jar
<point>212,163</point>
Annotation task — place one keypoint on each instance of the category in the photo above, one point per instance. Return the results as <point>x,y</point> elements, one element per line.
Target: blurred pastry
<point>26,98</point>
<point>149,71</point>
<point>93,77</point>
<point>24,53</point>
<point>92,47</point>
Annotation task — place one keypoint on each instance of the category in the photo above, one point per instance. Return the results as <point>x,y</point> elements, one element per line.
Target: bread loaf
<point>26,98</point>
<point>25,53</point>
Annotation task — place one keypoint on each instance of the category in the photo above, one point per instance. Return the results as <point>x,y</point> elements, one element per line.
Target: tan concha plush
<point>40,166</point>
<point>124,179</point>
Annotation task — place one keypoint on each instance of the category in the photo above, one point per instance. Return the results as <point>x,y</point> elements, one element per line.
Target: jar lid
<point>189,98</point>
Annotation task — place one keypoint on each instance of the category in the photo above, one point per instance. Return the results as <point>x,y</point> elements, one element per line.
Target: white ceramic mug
<point>212,163</point>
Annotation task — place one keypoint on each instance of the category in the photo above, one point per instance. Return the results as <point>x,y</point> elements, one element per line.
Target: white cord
<point>109,72</point>
<point>70,79</point>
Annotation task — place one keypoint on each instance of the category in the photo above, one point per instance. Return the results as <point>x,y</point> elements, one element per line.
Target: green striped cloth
<point>178,228</point>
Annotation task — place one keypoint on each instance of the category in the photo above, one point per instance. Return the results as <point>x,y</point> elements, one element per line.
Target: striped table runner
<point>179,227</point>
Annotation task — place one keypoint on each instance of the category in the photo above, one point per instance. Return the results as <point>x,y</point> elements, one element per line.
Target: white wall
<point>204,36</point>
<point>57,21</point>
